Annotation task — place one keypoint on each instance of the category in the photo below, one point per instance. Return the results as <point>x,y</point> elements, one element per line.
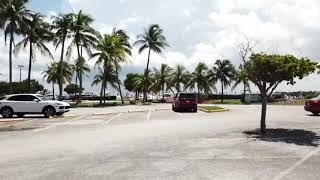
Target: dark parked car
<point>185,101</point>
<point>313,105</point>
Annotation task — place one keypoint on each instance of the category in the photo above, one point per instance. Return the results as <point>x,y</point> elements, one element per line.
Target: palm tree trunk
<point>244,90</point>
<point>10,62</point>
<point>80,77</point>
<point>30,63</point>
<point>61,69</point>
<point>119,86</point>
<point>104,92</point>
<point>53,94</point>
<point>145,98</point>
<point>221,92</point>
<point>101,92</point>
<point>162,91</point>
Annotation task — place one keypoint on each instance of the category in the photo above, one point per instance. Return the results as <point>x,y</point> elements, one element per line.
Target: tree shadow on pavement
<point>299,137</point>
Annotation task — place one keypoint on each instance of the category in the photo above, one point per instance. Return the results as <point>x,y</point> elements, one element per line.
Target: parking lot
<point>155,143</point>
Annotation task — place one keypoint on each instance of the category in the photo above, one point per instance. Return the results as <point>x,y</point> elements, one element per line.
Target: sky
<point>197,31</point>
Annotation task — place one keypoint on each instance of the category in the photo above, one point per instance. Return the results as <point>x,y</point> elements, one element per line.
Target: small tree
<point>268,71</point>
<point>72,89</point>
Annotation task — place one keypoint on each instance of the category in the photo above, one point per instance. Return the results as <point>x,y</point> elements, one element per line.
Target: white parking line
<point>52,126</point>
<point>106,122</point>
<point>148,117</point>
<point>180,115</point>
<point>295,165</point>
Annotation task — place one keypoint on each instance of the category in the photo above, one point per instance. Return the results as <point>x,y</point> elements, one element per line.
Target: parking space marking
<point>148,117</point>
<point>52,126</point>
<point>180,115</point>
<point>118,115</point>
<point>295,165</point>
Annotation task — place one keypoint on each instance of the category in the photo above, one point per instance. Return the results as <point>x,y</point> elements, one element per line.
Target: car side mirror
<point>36,100</point>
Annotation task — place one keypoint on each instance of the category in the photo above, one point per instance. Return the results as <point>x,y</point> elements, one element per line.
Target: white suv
<point>21,104</point>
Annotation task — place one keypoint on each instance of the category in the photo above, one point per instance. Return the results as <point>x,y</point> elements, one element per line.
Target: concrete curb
<point>11,120</point>
<point>103,114</point>
<point>213,111</point>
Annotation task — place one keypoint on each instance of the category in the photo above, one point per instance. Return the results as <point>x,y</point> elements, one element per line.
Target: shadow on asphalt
<point>291,136</point>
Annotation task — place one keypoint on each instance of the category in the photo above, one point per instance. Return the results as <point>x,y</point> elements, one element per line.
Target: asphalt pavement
<point>152,142</point>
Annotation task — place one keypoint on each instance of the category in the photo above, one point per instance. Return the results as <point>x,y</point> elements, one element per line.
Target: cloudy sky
<point>196,30</point>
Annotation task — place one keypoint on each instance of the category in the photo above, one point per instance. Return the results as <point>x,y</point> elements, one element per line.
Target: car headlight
<point>59,104</point>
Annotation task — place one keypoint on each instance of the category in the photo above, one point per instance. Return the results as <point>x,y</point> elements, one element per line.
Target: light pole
<point>20,66</point>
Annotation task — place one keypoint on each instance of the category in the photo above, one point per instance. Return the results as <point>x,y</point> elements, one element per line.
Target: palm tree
<point>51,75</point>
<point>241,76</point>
<point>106,76</point>
<point>83,37</point>
<point>153,40</point>
<point>200,79</point>
<point>13,14</point>
<point>62,25</point>
<point>122,49</point>
<point>36,34</point>
<point>81,68</point>
<point>163,75</point>
<point>225,72</point>
<point>179,76</point>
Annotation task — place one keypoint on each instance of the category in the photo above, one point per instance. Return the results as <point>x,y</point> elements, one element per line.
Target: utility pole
<point>20,66</point>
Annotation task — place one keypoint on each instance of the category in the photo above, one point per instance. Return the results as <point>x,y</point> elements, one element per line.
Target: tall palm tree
<point>51,76</point>
<point>163,75</point>
<point>62,25</point>
<point>13,14</point>
<point>106,76</point>
<point>200,79</point>
<point>224,72</point>
<point>122,49</point>
<point>179,77</point>
<point>152,40</point>
<point>36,34</point>
<point>83,37</point>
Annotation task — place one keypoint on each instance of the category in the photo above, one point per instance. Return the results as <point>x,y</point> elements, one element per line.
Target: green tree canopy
<point>72,89</point>
<point>268,71</point>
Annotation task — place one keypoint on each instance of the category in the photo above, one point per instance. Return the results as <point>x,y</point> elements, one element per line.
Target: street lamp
<point>20,66</point>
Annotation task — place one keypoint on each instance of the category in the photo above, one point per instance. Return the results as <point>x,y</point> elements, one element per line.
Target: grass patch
<point>211,108</point>
<point>226,101</point>
<point>97,104</point>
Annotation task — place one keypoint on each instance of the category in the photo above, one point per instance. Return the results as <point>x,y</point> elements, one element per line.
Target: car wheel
<point>195,110</point>
<point>173,108</point>
<point>20,115</point>
<point>49,111</point>
<point>315,113</point>
<point>7,112</point>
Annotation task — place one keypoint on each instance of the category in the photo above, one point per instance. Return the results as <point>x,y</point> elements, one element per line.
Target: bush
<point>219,96</point>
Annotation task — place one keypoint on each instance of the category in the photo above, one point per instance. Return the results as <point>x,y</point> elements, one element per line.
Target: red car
<point>185,101</point>
<point>313,105</point>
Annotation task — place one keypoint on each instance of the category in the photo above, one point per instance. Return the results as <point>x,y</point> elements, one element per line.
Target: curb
<point>102,114</point>
<point>59,117</point>
<point>213,111</point>
<point>162,109</point>
<point>137,111</point>
<point>11,120</point>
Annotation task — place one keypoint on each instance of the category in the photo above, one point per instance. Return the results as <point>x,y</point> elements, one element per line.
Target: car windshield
<point>42,98</point>
<point>187,95</point>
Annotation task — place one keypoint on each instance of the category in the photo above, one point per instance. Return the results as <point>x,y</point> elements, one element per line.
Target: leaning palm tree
<point>36,35</point>
<point>200,79</point>
<point>13,14</point>
<point>83,37</point>
<point>62,25</point>
<point>51,75</point>
<point>179,77</point>
<point>152,40</point>
<point>163,76</point>
<point>224,72</point>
